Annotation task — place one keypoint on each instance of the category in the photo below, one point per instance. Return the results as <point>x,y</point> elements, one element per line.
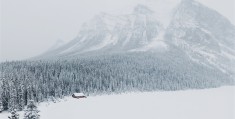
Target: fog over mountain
<point>29,28</point>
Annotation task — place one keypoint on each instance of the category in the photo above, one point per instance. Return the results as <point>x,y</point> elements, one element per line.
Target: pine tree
<point>14,115</point>
<point>31,111</point>
<point>21,99</point>
<point>1,106</point>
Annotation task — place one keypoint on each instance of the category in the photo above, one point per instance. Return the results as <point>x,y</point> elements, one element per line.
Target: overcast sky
<point>30,27</point>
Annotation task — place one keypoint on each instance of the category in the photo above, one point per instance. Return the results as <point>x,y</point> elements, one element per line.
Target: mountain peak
<point>142,9</point>
<point>189,3</point>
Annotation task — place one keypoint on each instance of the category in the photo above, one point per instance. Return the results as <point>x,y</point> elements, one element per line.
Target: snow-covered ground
<point>218,103</point>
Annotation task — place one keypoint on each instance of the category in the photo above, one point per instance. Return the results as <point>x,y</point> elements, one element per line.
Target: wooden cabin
<point>78,95</point>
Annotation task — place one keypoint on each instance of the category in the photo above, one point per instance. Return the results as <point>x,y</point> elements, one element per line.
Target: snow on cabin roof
<point>79,94</point>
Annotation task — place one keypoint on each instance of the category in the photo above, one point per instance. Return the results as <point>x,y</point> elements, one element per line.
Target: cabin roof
<point>78,94</point>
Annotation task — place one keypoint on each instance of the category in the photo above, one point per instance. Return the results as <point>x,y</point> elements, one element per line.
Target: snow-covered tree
<point>14,114</point>
<point>21,81</point>
<point>31,111</point>
<point>1,92</point>
<point>1,106</point>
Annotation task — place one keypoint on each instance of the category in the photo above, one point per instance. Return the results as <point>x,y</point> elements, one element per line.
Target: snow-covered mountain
<point>117,33</point>
<point>203,35</point>
<point>194,31</point>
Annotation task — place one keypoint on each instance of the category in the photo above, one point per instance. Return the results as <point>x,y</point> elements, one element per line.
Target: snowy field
<point>216,103</point>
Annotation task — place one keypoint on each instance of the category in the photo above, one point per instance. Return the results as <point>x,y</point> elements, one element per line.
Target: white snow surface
<point>158,44</point>
<point>79,94</point>
<point>215,103</point>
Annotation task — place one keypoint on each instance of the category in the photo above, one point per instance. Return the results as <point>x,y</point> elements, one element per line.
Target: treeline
<point>22,81</point>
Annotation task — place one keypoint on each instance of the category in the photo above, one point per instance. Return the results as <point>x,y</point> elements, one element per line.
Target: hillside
<point>193,33</point>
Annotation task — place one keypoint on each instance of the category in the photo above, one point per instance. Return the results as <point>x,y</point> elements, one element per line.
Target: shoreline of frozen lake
<point>216,103</point>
